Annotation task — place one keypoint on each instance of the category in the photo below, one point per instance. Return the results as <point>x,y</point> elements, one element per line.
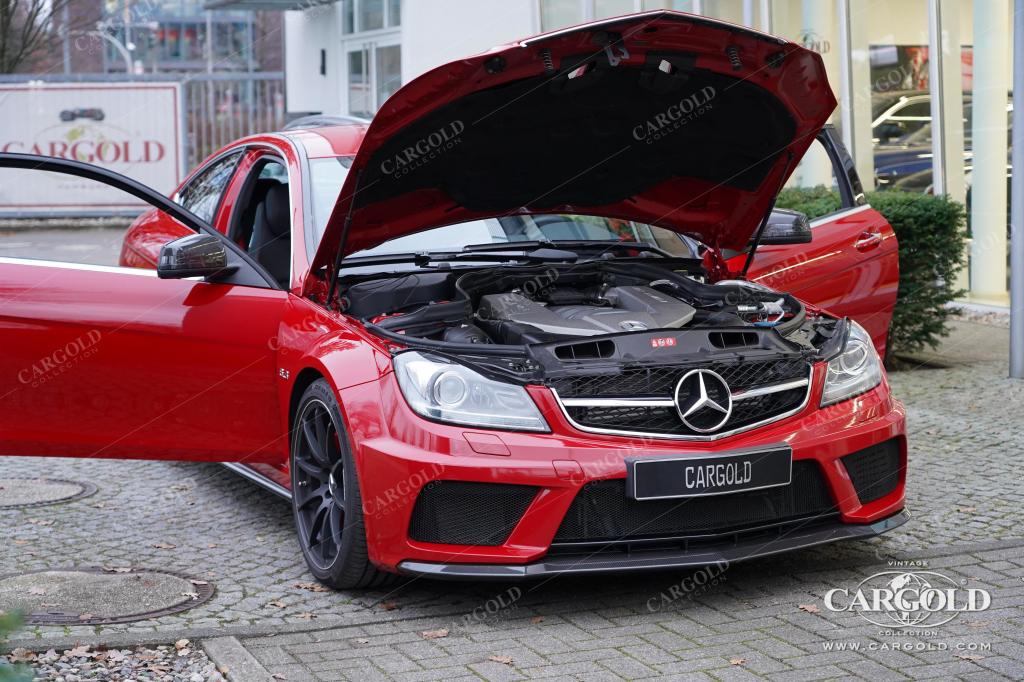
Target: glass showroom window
<point>358,16</point>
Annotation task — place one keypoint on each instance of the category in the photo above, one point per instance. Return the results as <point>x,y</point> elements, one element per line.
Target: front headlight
<point>446,391</point>
<point>856,370</point>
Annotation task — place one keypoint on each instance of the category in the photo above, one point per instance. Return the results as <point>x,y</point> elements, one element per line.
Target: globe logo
<point>907,599</point>
<point>915,584</point>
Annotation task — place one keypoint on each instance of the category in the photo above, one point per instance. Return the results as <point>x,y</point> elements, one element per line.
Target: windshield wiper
<point>597,244</point>
<point>423,258</point>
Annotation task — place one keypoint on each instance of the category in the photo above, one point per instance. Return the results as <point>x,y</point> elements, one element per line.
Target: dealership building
<point>929,77</point>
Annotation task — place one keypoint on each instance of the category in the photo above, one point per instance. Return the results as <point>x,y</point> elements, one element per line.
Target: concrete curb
<point>228,654</point>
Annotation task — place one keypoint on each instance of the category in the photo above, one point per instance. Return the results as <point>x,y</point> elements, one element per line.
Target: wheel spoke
<point>302,501</point>
<point>310,432</point>
<point>315,530</point>
<point>311,468</point>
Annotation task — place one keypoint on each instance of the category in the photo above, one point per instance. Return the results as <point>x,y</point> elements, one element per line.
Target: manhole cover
<point>34,492</point>
<point>100,596</point>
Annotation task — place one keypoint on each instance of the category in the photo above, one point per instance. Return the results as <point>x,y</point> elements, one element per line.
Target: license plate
<point>659,478</point>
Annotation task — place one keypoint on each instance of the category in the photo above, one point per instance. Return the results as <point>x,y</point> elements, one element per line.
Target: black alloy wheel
<point>326,499</point>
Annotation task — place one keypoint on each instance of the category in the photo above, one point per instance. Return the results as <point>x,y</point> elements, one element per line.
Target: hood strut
<point>767,216</point>
<point>336,268</point>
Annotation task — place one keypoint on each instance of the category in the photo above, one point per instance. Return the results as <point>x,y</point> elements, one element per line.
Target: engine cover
<point>620,309</point>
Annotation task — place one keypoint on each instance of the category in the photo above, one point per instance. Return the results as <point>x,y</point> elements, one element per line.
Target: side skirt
<point>259,479</point>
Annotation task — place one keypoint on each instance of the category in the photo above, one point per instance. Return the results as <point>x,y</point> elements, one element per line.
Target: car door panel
<point>103,361</point>
<point>120,364</point>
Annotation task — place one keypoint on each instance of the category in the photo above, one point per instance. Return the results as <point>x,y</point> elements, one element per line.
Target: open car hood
<point>662,117</point>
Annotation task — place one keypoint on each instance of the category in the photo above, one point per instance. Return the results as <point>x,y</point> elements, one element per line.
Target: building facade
<point>923,84</point>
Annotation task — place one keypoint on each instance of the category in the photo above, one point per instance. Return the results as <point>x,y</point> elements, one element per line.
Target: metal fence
<point>220,108</point>
<point>217,107</point>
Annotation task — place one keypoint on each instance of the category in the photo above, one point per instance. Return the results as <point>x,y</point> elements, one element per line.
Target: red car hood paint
<point>662,117</point>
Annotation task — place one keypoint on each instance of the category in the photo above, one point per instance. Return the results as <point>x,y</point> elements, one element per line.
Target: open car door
<point>106,361</point>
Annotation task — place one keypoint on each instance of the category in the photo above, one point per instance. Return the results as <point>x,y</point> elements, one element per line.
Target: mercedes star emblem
<point>703,400</point>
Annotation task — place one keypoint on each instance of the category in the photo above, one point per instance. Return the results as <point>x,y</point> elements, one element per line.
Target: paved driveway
<point>760,618</point>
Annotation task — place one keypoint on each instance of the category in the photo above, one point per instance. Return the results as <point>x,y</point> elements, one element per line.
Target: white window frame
<point>356,29</point>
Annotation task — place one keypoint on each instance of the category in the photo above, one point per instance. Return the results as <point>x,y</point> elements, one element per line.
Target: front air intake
<point>465,513</point>
<point>874,471</point>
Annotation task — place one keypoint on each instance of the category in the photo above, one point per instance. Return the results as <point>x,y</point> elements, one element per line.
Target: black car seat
<point>250,200</point>
<point>271,243</point>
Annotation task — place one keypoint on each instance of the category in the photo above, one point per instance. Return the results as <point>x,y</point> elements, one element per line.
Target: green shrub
<point>930,231</point>
<point>9,622</point>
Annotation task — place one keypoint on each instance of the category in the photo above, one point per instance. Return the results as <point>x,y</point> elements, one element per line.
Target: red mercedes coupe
<point>538,317</point>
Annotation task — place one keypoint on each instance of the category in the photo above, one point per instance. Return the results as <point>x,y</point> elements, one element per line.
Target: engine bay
<point>528,306</point>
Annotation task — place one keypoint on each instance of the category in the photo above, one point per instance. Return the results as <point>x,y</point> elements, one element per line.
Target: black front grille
<point>464,513</point>
<point>601,511</point>
<point>874,471</point>
<point>631,382</point>
<point>665,420</point>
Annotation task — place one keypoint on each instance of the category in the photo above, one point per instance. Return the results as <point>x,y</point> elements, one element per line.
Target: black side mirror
<point>786,227</point>
<point>197,255</point>
<point>888,131</point>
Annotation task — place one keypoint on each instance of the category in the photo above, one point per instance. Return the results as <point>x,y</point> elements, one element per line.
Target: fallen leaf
<point>507,660</point>
<point>85,616</point>
<point>21,542</point>
<point>115,656</point>
<point>312,587</point>
<point>977,623</point>
<point>211,545</point>
<point>434,634</point>
<point>100,505</point>
<point>181,644</point>
<point>164,545</point>
<point>810,608</point>
<point>22,655</point>
<point>278,603</point>
<point>78,651</point>
<point>38,591</point>
<point>969,657</point>
<point>194,596</point>
<point>199,582</point>
<point>117,569</point>
<point>223,669</point>
<point>737,661</point>
<point>41,522</point>
<point>361,640</point>
<point>537,619</point>
<point>967,510</point>
<point>306,615</point>
<point>388,605</point>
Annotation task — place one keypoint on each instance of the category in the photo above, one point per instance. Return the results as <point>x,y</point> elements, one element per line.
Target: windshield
<point>532,228</point>
<point>328,175</point>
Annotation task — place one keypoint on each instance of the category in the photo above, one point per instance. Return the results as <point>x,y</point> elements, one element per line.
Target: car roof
<point>326,141</point>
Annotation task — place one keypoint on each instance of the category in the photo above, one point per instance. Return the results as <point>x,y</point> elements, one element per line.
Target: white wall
<point>306,33</point>
<point>435,32</point>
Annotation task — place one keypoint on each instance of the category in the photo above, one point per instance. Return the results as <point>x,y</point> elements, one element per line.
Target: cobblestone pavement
<point>762,618</point>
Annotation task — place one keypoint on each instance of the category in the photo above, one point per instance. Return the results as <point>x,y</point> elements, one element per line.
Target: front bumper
<point>658,560</point>
<point>399,453</point>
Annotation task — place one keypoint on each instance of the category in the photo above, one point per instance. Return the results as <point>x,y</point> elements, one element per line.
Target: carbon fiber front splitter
<point>655,560</point>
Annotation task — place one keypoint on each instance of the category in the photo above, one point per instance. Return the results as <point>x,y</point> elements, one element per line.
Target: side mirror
<point>888,131</point>
<point>786,227</point>
<point>197,255</point>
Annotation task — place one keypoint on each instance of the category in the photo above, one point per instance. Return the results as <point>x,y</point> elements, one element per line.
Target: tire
<point>326,501</point>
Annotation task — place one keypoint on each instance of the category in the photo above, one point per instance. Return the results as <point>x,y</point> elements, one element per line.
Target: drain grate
<point>37,492</point>
<point>100,596</point>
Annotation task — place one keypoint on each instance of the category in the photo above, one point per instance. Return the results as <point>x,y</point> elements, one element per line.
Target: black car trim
<point>654,560</point>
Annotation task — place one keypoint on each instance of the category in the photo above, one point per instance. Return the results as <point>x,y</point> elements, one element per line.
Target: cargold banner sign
<point>131,128</point>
